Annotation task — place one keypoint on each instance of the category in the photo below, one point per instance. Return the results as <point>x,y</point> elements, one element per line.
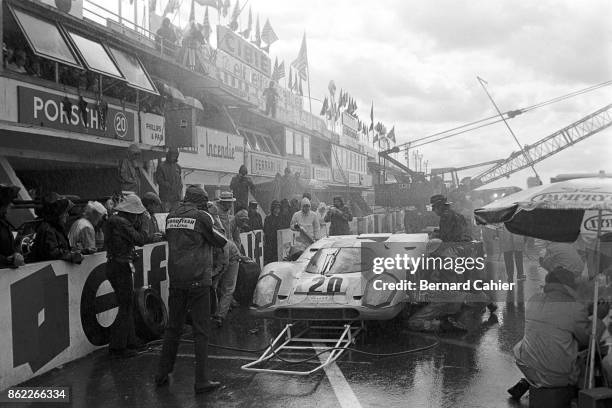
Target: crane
<point>547,146</point>
<point>531,154</point>
<point>441,171</point>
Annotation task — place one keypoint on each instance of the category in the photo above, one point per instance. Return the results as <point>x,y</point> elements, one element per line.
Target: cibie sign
<point>49,110</point>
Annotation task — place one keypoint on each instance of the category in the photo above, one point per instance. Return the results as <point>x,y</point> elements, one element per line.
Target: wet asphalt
<point>472,369</point>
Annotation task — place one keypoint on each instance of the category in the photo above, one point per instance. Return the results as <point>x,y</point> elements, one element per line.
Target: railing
<point>114,21</point>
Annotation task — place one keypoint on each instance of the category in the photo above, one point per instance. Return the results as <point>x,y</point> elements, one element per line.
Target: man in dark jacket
<point>9,257</point>
<point>339,215</point>
<point>255,221</point>
<point>129,170</point>
<point>191,238</point>
<point>123,231</point>
<point>168,177</point>
<point>51,241</point>
<point>240,186</point>
<point>453,226</point>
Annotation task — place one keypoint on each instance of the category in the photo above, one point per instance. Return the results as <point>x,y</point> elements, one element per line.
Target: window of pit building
<point>44,38</point>
<point>96,57</point>
<point>133,70</point>
<point>260,142</point>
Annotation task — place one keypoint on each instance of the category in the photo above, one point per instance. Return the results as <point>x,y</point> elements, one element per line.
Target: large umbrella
<point>556,212</point>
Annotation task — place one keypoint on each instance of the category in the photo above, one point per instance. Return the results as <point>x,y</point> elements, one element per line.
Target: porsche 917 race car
<point>333,279</point>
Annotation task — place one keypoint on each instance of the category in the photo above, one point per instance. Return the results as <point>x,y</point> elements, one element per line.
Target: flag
<point>332,88</point>
<point>275,70</point>
<point>233,25</point>
<point>324,107</point>
<point>266,48</point>
<point>247,33</point>
<point>226,7</point>
<point>192,11</point>
<point>391,134</point>
<point>290,84</point>
<point>295,82</point>
<point>340,97</point>
<point>359,126</point>
<point>211,3</point>
<point>257,33</point>
<point>171,7</point>
<point>268,34</point>
<point>281,70</point>
<point>301,62</point>
<point>372,117</point>
<point>300,88</point>
<point>206,29</point>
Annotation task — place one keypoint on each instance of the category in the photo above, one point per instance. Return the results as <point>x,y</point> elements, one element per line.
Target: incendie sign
<point>50,110</point>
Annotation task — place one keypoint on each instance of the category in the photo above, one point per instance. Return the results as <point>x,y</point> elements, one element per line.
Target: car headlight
<point>380,290</point>
<point>266,290</point>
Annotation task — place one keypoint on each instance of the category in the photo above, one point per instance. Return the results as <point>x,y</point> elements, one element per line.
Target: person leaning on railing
<point>165,35</point>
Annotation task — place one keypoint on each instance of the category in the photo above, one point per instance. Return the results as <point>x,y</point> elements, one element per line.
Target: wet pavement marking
<point>344,393</point>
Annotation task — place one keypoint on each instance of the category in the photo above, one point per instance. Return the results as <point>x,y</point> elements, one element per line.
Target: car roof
<point>342,241</point>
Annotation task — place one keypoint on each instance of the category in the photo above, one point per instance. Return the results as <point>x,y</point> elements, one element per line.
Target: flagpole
<point>308,72</point>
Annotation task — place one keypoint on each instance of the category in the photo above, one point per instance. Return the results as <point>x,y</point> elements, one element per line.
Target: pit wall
<point>52,313</point>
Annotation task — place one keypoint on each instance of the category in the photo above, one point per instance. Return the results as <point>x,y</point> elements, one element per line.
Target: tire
<point>150,314</point>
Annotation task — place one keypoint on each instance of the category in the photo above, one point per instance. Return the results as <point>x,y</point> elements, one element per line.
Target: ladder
<point>337,341</point>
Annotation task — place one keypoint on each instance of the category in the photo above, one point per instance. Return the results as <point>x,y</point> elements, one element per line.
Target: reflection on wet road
<point>466,370</point>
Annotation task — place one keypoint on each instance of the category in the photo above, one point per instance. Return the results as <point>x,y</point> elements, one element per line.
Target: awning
<point>133,70</point>
<point>95,56</point>
<point>193,102</point>
<point>170,90</point>
<point>45,38</point>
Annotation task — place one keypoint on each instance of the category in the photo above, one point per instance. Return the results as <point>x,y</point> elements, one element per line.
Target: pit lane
<point>471,369</point>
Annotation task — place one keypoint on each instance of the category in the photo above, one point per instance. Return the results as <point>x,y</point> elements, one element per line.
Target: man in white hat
<point>82,234</point>
<point>120,238</point>
<point>307,222</point>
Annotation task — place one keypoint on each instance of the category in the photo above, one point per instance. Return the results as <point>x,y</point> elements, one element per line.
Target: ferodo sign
<point>46,109</point>
<point>54,312</point>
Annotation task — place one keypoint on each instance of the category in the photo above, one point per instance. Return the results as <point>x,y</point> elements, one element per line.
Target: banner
<point>46,109</point>
<point>262,165</point>
<point>52,313</point>
<point>242,49</point>
<point>152,129</point>
<point>215,151</point>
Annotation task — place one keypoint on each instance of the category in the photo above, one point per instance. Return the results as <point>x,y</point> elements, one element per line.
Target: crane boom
<point>548,146</point>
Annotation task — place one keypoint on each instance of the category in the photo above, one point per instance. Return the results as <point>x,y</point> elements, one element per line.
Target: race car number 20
<point>322,286</point>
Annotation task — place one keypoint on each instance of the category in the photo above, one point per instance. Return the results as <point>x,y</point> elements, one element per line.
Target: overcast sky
<point>418,62</point>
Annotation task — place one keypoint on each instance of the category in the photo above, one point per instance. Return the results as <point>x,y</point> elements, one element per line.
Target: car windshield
<point>330,261</point>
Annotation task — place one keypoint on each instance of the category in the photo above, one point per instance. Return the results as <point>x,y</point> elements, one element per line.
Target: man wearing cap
<point>129,170</point>
<point>255,221</point>
<point>557,327</point>
<point>9,257</point>
<point>168,177</point>
<point>123,231</point>
<point>226,202</point>
<point>307,222</point>
<point>51,242</point>
<point>191,238</point>
<point>453,226</point>
<point>82,234</point>
<point>240,185</point>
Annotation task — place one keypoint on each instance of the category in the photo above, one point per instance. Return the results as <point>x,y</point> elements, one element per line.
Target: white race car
<point>333,280</point>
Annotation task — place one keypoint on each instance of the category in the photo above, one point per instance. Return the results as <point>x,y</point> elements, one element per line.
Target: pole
<point>308,82</point>
<point>120,18</point>
<point>593,345</point>
<point>501,115</point>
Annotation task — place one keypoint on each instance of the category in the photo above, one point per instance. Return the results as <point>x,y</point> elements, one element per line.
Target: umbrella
<point>556,212</point>
<point>174,93</point>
